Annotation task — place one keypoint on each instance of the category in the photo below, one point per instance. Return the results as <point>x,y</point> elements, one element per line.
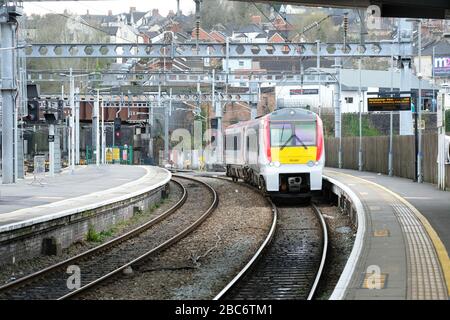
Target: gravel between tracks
<point>25,267</point>
<point>201,264</point>
<point>341,236</point>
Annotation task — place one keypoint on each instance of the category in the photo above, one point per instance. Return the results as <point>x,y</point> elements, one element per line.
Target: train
<point>282,153</point>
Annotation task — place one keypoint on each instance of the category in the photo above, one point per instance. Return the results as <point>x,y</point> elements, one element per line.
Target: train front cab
<point>295,154</point>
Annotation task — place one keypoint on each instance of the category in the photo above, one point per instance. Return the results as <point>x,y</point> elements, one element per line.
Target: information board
<point>39,165</point>
<point>109,155</point>
<point>389,104</point>
<point>296,92</point>
<point>116,154</point>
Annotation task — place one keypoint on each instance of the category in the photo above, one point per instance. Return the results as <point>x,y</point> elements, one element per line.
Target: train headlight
<point>317,163</point>
<point>310,163</point>
<point>277,164</point>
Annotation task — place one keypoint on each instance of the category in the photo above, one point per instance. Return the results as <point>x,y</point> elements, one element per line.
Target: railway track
<point>112,258</point>
<point>289,263</point>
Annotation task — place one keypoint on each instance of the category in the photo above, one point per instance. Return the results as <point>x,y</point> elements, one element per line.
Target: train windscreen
<point>293,134</point>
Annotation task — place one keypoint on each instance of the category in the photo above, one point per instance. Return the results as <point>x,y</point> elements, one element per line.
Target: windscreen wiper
<point>298,139</point>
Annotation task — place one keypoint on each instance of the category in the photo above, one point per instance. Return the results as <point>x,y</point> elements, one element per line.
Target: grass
<point>94,236</point>
<point>350,126</point>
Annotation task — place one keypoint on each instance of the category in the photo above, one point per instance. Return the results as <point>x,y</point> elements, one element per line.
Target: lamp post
<point>74,131</point>
<point>419,106</point>
<point>419,155</point>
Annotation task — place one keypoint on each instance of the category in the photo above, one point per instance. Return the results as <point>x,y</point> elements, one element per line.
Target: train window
<point>293,134</point>
<point>235,142</point>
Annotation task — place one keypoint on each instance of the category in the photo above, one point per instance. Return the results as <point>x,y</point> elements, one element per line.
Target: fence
<point>375,155</point>
<point>120,154</point>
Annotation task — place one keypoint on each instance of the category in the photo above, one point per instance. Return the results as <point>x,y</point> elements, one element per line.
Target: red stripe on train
<point>319,129</point>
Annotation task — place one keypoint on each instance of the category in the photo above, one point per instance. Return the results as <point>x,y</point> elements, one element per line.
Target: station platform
<point>400,250</point>
<point>30,202</point>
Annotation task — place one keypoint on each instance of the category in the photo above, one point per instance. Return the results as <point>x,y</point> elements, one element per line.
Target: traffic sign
<point>51,138</point>
<point>389,104</point>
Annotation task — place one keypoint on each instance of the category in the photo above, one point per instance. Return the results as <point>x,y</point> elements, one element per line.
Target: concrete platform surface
<point>399,256</point>
<point>433,203</point>
<point>26,203</point>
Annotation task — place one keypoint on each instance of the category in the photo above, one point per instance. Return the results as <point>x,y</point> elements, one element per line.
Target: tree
<point>326,31</point>
<point>56,28</point>
<point>236,14</point>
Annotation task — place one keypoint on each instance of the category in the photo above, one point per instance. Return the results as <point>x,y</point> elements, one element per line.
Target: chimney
<point>132,9</point>
<point>87,12</point>
<point>256,20</point>
<point>110,13</point>
<point>178,8</point>
<point>155,12</point>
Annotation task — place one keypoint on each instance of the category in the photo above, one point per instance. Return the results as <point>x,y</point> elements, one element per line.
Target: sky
<point>102,7</point>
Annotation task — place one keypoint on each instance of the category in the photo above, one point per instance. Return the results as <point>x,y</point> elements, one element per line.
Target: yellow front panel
<point>294,155</point>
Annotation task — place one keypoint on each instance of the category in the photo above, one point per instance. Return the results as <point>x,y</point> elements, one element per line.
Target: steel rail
<point>324,251</point>
<point>157,249</point>
<point>256,257</point>
<point>105,246</point>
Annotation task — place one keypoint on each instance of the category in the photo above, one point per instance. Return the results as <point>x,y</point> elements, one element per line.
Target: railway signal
<point>117,127</point>
<point>33,111</point>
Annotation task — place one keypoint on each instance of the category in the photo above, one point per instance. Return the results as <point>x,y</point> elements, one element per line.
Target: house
<point>441,63</point>
<point>248,33</point>
<point>203,35</point>
<point>275,37</point>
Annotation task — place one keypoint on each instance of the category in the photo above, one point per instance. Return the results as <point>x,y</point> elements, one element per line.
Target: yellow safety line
<point>437,242</point>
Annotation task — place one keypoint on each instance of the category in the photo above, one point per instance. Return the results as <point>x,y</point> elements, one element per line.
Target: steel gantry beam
<point>147,100</point>
<point>154,78</point>
<point>218,50</point>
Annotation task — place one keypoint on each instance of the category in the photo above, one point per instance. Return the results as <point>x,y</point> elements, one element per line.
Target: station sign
<point>298,92</point>
<point>441,66</point>
<point>389,104</point>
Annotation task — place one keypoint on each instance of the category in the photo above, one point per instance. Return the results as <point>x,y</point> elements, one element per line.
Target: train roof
<point>280,115</point>
<point>292,114</point>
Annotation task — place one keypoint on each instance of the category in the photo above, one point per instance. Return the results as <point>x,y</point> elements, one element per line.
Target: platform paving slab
<point>401,249</point>
<point>25,203</point>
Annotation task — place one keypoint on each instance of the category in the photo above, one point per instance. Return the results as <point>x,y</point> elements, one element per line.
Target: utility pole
<point>319,78</point>
<point>8,27</point>
<point>360,94</point>
<point>391,122</point>
<point>77,127</point>
<point>197,21</point>
<point>360,153</point>
<point>337,107</point>
<point>103,133</point>
<point>166,127</point>
<point>419,108</point>
<point>97,125</point>
<point>72,124</point>
<point>443,102</point>
<point>51,149</point>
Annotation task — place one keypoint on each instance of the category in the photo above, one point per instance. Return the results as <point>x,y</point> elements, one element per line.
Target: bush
<point>94,236</point>
<point>350,126</point>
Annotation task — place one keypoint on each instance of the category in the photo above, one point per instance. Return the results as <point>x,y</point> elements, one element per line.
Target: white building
<point>372,82</point>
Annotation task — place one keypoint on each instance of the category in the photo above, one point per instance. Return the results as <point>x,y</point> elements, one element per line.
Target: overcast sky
<point>102,7</point>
